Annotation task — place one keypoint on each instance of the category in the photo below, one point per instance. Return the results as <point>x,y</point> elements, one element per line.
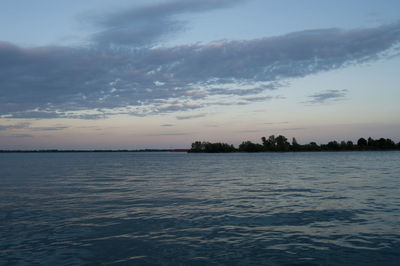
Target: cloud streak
<point>27,126</point>
<point>20,136</point>
<point>49,128</point>
<point>327,96</point>
<point>15,126</point>
<point>169,134</point>
<point>145,25</point>
<point>110,77</point>
<point>186,117</point>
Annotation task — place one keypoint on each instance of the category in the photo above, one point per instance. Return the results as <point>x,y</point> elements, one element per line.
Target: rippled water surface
<point>327,208</point>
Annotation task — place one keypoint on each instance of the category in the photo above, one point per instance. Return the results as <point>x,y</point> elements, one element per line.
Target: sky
<point>104,74</point>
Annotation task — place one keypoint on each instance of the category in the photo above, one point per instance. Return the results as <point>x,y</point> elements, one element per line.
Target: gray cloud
<point>168,134</point>
<point>185,117</point>
<point>27,126</point>
<point>20,136</point>
<point>294,128</point>
<point>276,123</point>
<point>142,26</point>
<point>328,95</point>
<point>15,126</point>
<point>258,98</point>
<point>167,125</point>
<point>92,83</point>
<point>251,130</point>
<point>49,128</point>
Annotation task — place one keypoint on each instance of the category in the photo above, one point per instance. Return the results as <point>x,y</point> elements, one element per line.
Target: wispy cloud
<point>114,76</point>
<point>327,96</point>
<point>251,130</point>
<point>145,25</point>
<point>276,123</point>
<point>168,134</point>
<point>49,128</point>
<point>28,126</point>
<point>294,128</point>
<point>167,125</point>
<point>258,98</point>
<point>20,136</point>
<point>185,117</point>
<point>14,126</point>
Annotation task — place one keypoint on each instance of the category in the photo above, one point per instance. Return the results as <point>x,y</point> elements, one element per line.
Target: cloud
<point>168,134</point>
<point>258,98</point>
<point>145,25</point>
<point>327,96</point>
<point>185,117</point>
<point>294,128</point>
<point>15,126</point>
<point>167,125</point>
<point>49,128</point>
<point>20,136</point>
<point>251,130</point>
<point>276,123</point>
<point>27,126</point>
<point>97,81</point>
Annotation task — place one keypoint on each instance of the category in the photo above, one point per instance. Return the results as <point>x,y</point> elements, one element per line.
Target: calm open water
<point>331,208</point>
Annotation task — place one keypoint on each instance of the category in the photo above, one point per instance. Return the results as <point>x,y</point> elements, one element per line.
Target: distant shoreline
<point>281,144</point>
<point>169,151</point>
<point>84,151</point>
<point>272,144</point>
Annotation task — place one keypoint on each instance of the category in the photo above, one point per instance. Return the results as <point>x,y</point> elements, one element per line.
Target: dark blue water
<point>200,209</point>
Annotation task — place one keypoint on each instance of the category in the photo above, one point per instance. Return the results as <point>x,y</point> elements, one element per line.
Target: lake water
<point>331,208</point>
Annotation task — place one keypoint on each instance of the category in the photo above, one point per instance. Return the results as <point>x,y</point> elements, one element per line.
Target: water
<point>200,209</point>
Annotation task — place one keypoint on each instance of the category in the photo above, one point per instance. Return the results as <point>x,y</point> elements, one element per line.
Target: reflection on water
<point>170,209</point>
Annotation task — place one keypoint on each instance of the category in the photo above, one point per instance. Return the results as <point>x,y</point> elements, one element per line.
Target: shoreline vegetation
<point>56,150</point>
<point>272,144</point>
<point>281,144</point>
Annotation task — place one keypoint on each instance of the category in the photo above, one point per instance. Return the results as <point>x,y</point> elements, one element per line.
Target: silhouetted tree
<point>332,146</point>
<point>390,144</point>
<point>312,146</point>
<point>248,146</point>
<point>385,144</point>
<point>295,145</point>
<point>264,142</point>
<point>343,145</point>
<point>371,142</point>
<point>381,143</point>
<point>281,143</point>
<point>362,142</point>
<point>350,145</point>
<point>211,147</point>
<point>269,144</point>
<point>197,147</point>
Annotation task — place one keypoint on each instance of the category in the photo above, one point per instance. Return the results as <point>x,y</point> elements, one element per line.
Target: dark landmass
<point>272,144</point>
<point>179,150</point>
<point>56,150</point>
<point>281,144</point>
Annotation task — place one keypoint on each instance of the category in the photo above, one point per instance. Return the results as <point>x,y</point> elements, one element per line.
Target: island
<point>281,144</point>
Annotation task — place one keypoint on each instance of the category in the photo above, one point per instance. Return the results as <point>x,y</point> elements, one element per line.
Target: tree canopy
<point>281,144</point>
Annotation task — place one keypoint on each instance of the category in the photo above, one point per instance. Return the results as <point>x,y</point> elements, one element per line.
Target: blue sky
<point>161,74</point>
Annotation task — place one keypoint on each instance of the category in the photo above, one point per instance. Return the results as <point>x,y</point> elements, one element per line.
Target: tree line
<point>281,144</point>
